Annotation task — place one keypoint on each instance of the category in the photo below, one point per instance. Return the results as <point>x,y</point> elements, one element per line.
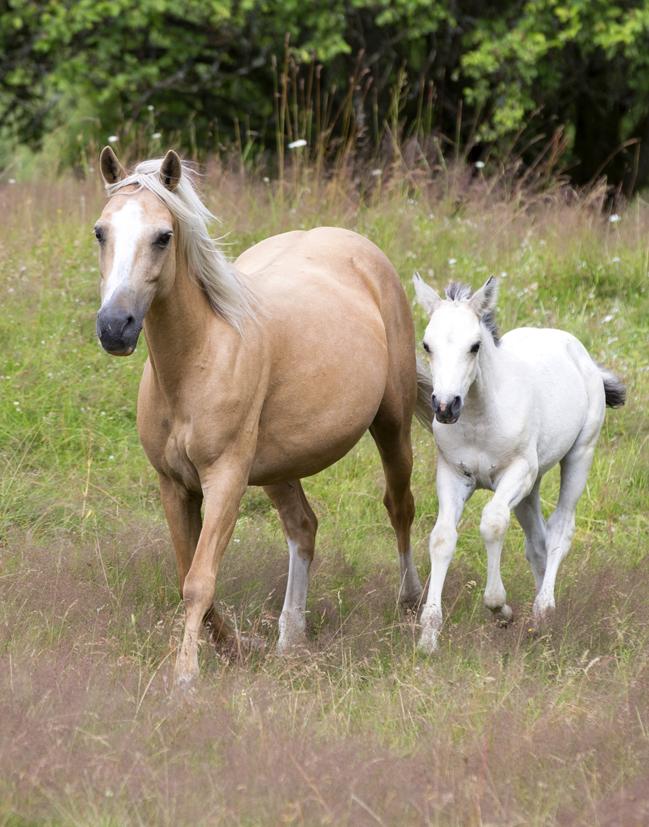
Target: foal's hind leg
<point>561,524</point>
<point>393,442</point>
<point>300,525</point>
<point>529,515</point>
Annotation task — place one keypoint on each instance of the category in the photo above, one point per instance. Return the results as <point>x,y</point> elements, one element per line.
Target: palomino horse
<point>259,373</point>
<point>505,413</point>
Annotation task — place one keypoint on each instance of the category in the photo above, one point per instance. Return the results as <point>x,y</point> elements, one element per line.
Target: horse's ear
<point>426,296</point>
<point>171,170</point>
<point>484,300</point>
<point>111,169</point>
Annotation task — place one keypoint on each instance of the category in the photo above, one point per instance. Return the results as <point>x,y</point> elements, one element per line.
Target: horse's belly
<point>298,441</point>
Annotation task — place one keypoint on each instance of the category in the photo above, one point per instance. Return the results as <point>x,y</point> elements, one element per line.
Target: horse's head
<point>452,341</point>
<point>135,233</point>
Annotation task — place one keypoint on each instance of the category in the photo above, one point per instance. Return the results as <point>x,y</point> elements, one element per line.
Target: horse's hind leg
<point>300,525</point>
<point>561,524</point>
<point>529,515</point>
<point>393,441</point>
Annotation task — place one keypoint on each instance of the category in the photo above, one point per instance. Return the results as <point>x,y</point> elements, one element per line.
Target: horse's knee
<point>400,508</point>
<point>494,522</point>
<point>198,592</point>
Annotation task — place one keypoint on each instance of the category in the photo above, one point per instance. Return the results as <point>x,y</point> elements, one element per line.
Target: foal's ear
<point>426,296</point>
<point>171,170</point>
<point>111,169</point>
<point>484,299</point>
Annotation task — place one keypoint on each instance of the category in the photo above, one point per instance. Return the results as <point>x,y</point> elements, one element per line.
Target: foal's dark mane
<point>459,292</point>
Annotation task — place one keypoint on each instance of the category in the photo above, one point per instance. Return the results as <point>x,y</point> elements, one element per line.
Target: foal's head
<point>136,252</point>
<point>459,326</point>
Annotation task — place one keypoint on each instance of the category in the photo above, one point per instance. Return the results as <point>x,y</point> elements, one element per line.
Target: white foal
<point>505,412</point>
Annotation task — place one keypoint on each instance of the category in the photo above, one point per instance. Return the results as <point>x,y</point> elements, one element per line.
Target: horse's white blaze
<point>126,230</point>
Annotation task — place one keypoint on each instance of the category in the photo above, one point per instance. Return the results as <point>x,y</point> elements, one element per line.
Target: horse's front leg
<point>183,512</point>
<point>453,490</point>
<point>223,486</point>
<point>515,484</point>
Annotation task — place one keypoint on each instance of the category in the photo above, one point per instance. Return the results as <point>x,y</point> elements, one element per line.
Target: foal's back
<point>560,385</point>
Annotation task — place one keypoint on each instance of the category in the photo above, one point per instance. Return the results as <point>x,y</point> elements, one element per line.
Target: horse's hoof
<point>252,643</point>
<point>291,646</point>
<point>184,685</point>
<point>410,602</point>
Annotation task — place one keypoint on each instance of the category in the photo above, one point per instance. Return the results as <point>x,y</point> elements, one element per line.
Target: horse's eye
<point>426,348</point>
<point>475,348</point>
<point>163,239</point>
<point>99,235</point>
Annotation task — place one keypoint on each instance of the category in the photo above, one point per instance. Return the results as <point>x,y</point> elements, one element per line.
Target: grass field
<point>500,728</point>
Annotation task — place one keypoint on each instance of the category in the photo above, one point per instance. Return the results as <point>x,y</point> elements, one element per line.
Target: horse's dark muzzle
<point>118,331</point>
<point>447,412</point>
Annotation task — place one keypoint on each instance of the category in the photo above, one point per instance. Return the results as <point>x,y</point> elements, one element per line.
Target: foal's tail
<point>614,389</point>
<point>424,406</point>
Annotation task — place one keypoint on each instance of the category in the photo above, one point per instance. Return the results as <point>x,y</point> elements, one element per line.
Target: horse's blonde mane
<point>227,294</point>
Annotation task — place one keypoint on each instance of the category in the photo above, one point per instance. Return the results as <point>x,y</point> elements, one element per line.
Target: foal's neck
<point>489,381</point>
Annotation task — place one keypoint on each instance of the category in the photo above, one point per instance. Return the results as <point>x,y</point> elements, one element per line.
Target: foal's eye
<point>426,348</point>
<point>475,348</point>
<point>163,239</point>
<point>99,235</point>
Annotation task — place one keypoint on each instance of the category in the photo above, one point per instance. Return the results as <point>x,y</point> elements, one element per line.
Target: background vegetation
<point>567,79</point>
<point>499,728</point>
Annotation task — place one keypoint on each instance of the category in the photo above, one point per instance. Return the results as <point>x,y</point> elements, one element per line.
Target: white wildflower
<point>376,173</point>
<point>156,136</point>
<point>112,139</point>
<point>613,219</point>
<point>297,144</point>
<point>479,165</point>
<point>452,262</point>
<point>615,260</point>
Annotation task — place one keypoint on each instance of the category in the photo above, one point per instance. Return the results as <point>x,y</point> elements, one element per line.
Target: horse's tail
<point>424,406</point>
<point>614,389</point>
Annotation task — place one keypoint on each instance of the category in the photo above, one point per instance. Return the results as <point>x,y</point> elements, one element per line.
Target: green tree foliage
<point>491,77</point>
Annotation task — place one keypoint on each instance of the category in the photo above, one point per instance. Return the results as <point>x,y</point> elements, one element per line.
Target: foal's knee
<point>442,542</point>
<point>494,522</point>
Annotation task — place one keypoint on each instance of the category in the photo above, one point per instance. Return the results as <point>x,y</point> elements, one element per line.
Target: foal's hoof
<point>503,615</point>
<point>542,614</point>
<point>428,641</point>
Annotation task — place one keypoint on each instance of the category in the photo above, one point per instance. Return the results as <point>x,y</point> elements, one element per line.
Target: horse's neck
<point>176,329</point>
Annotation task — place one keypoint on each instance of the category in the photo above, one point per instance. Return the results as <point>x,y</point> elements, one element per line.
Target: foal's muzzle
<point>118,331</point>
<point>448,411</point>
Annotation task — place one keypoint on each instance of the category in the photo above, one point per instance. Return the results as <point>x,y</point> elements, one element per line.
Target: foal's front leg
<point>453,490</point>
<point>515,484</point>
<point>223,487</point>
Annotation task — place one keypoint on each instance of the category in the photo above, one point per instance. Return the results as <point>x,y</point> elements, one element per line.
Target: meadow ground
<point>500,728</point>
